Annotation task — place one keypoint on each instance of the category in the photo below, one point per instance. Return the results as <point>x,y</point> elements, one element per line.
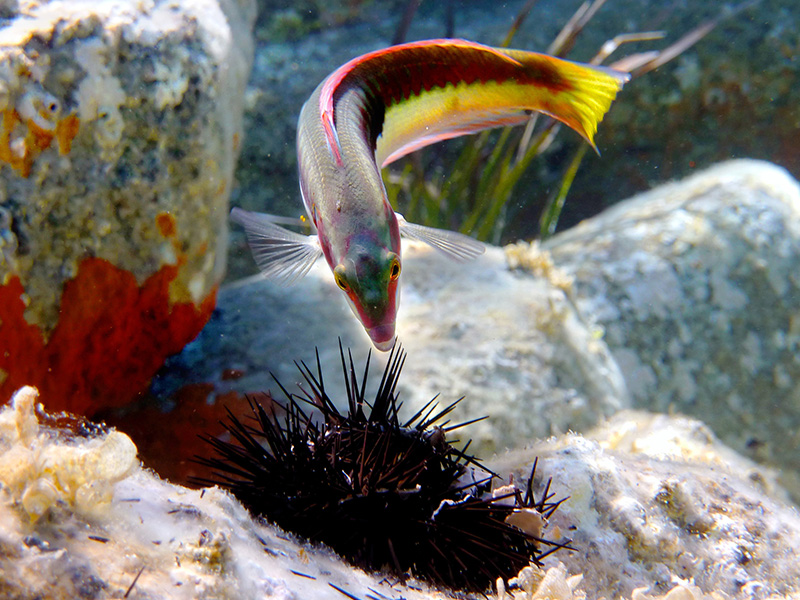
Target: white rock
<point>657,503</point>
<point>657,507</point>
<point>696,286</point>
<point>155,88</point>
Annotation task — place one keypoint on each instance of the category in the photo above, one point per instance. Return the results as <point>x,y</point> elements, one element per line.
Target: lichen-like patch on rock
<point>29,128</point>
<point>112,336</point>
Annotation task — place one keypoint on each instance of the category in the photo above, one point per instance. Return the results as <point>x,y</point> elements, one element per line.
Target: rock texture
<point>656,499</point>
<point>657,508</point>
<point>696,287</point>
<point>121,122</point>
<point>149,538</point>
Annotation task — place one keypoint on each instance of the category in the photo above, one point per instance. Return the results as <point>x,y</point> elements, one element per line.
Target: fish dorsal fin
<point>280,254</point>
<point>457,246</point>
<point>424,92</point>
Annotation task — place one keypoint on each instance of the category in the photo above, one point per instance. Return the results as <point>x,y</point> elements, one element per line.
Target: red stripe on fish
<point>394,74</point>
<point>333,140</point>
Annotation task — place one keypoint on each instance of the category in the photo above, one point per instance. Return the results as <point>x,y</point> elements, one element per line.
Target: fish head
<point>369,276</point>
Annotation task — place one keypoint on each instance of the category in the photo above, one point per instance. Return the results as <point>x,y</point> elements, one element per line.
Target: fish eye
<point>341,281</point>
<point>394,269</point>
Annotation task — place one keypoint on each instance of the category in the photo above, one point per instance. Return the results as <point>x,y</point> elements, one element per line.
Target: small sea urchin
<point>384,494</point>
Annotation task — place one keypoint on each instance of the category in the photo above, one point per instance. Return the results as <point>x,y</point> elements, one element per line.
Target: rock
<point>150,539</point>
<point>513,346</point>
<point>42,476</point>
<point>658,503</point>
<point>121,124</point>
<point>657,508</point>
<point>695,285</point>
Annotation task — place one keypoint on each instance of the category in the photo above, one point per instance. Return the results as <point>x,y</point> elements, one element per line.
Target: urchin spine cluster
<point>384,494</point>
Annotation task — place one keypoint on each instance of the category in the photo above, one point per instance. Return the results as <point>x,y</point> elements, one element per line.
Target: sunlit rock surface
<point>657,502</point>
<point>147,538</point>
<point>696,286</point>
<point>121,122</point>
<point>657,508</point>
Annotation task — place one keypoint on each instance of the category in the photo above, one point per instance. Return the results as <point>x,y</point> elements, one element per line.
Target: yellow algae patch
<point>532,258</point>
<point>31,119</point>
<point>40,470</point>
<point>66,130</point>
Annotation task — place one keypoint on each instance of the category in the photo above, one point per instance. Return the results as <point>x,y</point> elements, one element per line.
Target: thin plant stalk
<point>549,219</point>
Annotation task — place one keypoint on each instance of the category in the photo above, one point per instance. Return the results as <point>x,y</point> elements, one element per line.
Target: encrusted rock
<point>657,508</point>
<point>121,122</point>
<point>145,538</point>
<point>40,474</point>
<point>658,503</point>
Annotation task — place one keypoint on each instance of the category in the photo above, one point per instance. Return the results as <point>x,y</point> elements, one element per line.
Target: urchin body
<point>384,494</point>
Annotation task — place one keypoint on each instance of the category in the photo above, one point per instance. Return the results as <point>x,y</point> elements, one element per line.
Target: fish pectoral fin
<point>456,245</point>
<point>280,254</point>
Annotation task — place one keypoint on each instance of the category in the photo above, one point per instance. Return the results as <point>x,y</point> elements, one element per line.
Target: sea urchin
<point>384,494</point>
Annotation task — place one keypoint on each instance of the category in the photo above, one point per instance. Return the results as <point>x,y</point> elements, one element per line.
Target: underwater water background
<point>733,94</point>
<point>648,355</point>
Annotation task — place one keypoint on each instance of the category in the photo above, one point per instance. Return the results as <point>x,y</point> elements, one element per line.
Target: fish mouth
<point>382,337</point>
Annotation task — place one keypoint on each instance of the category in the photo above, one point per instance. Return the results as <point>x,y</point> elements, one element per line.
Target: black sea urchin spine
<point>384,494</point>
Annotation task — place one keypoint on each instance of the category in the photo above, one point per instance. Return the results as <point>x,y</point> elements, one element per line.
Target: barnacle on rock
<point>384,493</point>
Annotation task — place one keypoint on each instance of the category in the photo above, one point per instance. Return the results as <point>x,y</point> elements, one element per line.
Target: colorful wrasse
<point>381,106</point>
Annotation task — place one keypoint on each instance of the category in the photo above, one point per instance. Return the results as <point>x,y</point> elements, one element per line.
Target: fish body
<point>344,196</point>
<point>381,106</point>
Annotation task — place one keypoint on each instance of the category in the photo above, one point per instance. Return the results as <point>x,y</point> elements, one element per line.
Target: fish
<point>381,106</point>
